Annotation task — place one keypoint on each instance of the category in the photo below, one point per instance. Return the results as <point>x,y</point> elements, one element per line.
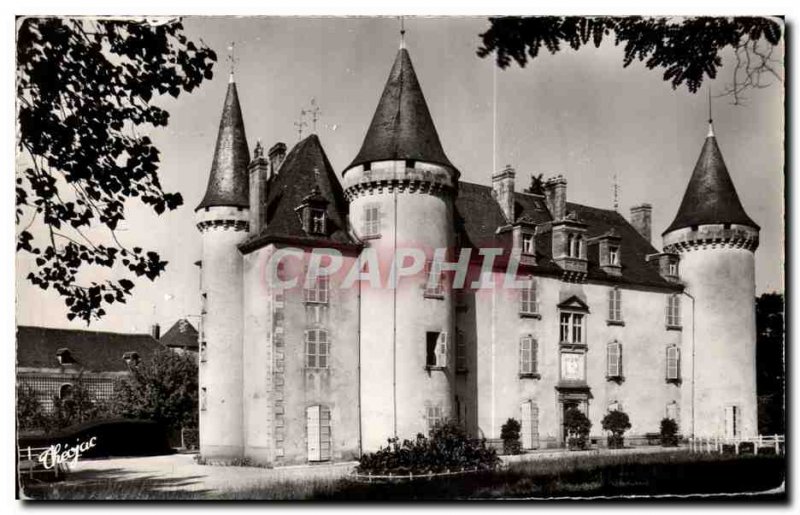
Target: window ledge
<point>572,345</point>
<point>371,237</point>
<point>315,303</point>
<point>437,296</point>
<point>531,375</point>
<point>435,367</point>
<point>615,322</point>
<point>537,316</point>
<point>462,371</point>
<point>615,379</point>
<point>675,381</point>
<point>674,327</point>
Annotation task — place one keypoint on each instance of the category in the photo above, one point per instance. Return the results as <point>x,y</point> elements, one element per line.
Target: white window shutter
<point>534,425</point>
<point>313,434</point>
<point>324,433</point>
<point>526,430</point>
<point>441,350</point>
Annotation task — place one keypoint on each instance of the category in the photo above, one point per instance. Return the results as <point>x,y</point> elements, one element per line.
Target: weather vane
<point>315,113</point>
<point>616,192</point>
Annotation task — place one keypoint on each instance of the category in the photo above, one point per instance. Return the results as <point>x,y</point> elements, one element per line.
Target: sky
<point>578,114</point>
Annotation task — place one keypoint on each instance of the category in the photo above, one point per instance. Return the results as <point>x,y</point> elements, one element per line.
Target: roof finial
<point>300,124</point>
<point>402,33</point>
<point>710,118</point>
<point>616,192</point>
<point>232,59</point>
<point>314,111</point>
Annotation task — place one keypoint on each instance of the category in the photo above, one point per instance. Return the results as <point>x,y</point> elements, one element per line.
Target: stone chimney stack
<point>155,331</point>
<point>556,196</point>
<point>276,156</point>
<point>258,170</point>
<point>641,216</point>
<point>503,191</point>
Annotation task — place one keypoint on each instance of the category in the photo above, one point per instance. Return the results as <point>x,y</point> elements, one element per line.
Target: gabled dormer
<point>668,265</point>
<point>313,212</point>
<point>524,240</point>
<point>569,245</point>
<point>609,252</point>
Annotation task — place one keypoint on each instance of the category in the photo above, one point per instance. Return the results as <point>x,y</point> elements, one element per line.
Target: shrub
<point>578,426</point>
<point>617,422</point>
<point>669,432</point>
<point>448,448</point>
<point>509,433</point>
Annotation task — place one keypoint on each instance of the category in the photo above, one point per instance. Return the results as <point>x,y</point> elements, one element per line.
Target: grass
<point>582,475</point>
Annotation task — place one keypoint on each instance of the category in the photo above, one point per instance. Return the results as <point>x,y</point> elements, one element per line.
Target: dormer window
<point>317,221</point>
<point>673,269</point>
<point>528,246</point>
<point>64,356</point>
<point>613,256</point>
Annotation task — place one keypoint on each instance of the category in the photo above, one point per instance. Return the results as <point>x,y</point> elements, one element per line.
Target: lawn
<point>581,475</point>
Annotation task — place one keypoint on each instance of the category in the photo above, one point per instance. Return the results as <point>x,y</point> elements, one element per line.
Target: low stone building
<point>51,360</point>
<point>182,337</point>
<point>596,317</point>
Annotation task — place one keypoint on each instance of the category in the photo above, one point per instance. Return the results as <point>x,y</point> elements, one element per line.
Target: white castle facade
<point>330,369</point>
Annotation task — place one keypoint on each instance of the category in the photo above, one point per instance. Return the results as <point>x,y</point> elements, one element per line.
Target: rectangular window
<point>528,304</point>
<point>614,360</point>
<point>615,305</point>
<point>614,406</point>
<point>317,221</point>
<point>673,311</point>
<point>203,350</point>
<point>434,417</point>
<point>203,399</point>
<point>317,348</point>
<point>673,269</point>
<point>613,256</point>
<point>318,292</point>
<point>528,348</point>
<point>529,432</point>
<point>372,221</point>
<point>318,433</point>
<point>461,352</point>
<point>528,246</point>
<point>564,333</point>
<point>433,279</point>
<point>672,411</point>
<point>436,349</point>
<point>673,364</point>
<point>577,328</point>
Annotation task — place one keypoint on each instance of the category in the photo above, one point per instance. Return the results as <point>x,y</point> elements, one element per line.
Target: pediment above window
<point>574,303</point>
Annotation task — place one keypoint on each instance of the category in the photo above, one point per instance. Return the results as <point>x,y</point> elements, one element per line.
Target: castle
<point>598,319</point>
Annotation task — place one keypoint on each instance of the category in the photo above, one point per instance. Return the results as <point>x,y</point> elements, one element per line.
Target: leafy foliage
<point>771,369</point>
<point>509,433</point>
<point>163,389</point>
<point>669,432</point>
<point>84,93</point>
<point>617,422</point>
<point>578,426</point>
<point>686,49</point>
<point>30,414</point>
<point>448,448</point>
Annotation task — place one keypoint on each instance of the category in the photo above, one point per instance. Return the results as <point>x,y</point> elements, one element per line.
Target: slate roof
<point>402,127</point>
<point>305,167</point>
<point>92,351</point>
<point>710,197</point>
<point>478,218</point>
<point>182,335</point>
<point>228,181</point>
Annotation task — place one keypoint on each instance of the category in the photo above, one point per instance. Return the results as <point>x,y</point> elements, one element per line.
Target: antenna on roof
<point>314,111</point>
<point>616,192</point>
<point>232,59</point>
<point>710,117</point>
<point>402,32</point>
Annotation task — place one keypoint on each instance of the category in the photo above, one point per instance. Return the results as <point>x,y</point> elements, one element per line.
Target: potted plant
<point>577,426</point>
<point>616,422</point>
<point>509,433</point>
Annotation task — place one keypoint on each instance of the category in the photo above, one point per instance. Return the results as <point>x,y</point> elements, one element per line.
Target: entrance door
<point>732,421</point>
<point>566,406</point>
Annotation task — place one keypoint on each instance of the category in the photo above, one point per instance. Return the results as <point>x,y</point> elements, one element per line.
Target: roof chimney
<point>641,216</point>
<point>155,331</point>
<point>259,174</point>
<point>503,191</point>
<point>555,194</point>
<point>276,156</point>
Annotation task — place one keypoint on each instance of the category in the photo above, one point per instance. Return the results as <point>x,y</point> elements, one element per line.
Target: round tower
<point>400,188</point>
<point>716,241</point>
<point>222,219</point>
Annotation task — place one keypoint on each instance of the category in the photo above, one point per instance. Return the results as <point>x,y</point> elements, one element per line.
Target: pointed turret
<point>228,182</point>
<point>710,197</point>
<point>402,127</point>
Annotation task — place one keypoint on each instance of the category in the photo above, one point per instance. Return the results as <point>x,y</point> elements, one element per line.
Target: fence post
<point>736,446</point>
<point>777,446</point>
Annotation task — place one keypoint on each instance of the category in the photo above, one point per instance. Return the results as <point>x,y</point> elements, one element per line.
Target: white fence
<point>716,444</point>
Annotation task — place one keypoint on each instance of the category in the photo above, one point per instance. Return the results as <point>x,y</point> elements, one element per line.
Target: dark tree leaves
<point>84,92</point>
<point>687,50</point>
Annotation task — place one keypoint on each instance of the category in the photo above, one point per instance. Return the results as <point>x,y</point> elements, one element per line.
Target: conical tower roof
<point>710,197</point>
<point>228,182</point>
<point>402,127</point>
